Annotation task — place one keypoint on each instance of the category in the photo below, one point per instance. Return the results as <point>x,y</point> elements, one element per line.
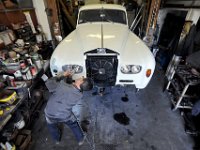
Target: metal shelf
<point>4,120</point>
<point>185,79</point>
<point>13,108</point>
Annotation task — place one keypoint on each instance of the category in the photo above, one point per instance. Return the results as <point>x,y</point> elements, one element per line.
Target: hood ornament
<point>101,50</point>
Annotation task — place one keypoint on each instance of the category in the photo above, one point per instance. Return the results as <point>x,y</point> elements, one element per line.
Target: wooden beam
<point>155,6</point>
<point>70,18</point>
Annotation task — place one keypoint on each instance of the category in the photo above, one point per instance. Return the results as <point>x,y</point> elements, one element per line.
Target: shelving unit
<point>22,98</point>
<point>181,83</point>
<point>13,108</point>
<point>13,15</point>
<point>25,33</point>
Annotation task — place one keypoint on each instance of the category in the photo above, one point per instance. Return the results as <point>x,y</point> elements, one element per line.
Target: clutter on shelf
<point>20,61</point>
<point>24,58</point>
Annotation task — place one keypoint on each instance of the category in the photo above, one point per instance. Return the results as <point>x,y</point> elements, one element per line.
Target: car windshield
<point>105,15</point>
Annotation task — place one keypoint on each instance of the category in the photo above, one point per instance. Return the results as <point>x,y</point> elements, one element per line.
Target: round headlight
<point>77,68</point>
<point>135,69</point>
<point>73,68</point>
<point>125,69</point>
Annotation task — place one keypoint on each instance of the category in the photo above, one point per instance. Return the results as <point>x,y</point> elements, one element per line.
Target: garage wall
<point>163,12</point>
<point>92,2</point>
<point>193,14</point>
<point>42,17</point>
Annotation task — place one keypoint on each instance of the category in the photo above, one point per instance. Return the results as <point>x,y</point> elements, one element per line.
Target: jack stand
<point>137,90</point>
<point>100,91</point>
<point>89,140</point>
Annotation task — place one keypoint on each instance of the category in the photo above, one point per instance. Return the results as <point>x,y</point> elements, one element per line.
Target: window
<point>105,15</point>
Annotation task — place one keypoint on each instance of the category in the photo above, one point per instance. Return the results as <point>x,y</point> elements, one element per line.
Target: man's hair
<point>68,79</point>
<point>87,84</point>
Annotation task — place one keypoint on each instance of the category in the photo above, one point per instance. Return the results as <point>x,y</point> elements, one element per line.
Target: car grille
<point>102,69</point>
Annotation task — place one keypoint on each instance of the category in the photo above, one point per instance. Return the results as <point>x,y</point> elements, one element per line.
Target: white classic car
<point>103,48</point>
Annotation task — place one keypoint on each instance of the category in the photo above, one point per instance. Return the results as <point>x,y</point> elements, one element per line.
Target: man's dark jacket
<point>63,97</point>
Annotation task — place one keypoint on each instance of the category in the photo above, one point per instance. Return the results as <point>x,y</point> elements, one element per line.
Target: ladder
<point>153,14</point>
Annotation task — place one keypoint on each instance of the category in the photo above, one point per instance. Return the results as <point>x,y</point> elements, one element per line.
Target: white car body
<point>91,43</point>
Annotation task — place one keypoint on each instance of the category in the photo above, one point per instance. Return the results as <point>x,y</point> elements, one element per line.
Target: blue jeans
<point>56,133</point>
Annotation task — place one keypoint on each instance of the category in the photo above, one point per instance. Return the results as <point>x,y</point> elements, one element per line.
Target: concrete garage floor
<point>152,126</point>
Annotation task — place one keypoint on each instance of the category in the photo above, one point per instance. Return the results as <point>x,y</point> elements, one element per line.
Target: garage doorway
<point>169,36</point>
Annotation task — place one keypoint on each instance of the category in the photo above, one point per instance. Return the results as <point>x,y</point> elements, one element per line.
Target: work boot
<point>57,142</point>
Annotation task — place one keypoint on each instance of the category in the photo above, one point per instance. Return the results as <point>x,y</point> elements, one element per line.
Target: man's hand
<point>61,75</point>
<point>67,73</point>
